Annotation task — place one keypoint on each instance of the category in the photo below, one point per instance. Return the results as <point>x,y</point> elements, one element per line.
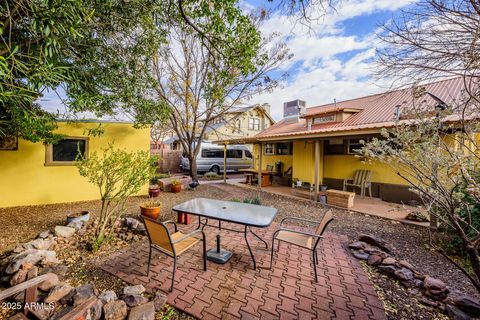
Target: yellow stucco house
<point>34,173</point>
<point>317,145</point>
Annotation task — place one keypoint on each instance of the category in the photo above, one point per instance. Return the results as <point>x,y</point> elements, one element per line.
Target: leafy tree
<point>439,159</point>
<point>118,174</point>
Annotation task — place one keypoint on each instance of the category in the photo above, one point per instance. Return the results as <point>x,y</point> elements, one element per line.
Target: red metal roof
<point>376,111</point>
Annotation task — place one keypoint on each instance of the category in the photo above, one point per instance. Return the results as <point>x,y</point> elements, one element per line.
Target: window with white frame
<point>254,124</point>
<point>269,149</point>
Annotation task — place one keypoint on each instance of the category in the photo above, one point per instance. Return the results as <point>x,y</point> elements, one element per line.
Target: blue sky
<point>333,59</point>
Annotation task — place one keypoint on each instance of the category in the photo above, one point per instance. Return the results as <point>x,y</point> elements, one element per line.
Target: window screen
<point>68,149</point>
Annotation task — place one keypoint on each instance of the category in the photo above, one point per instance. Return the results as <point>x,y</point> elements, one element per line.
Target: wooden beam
<point>260,156</point>
<point>224,163</point>
<point>317,169</point>
<point>25,285</point>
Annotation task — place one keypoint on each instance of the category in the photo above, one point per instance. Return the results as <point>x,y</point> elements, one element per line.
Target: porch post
<point>260,155</point>
<point>224,163</point>
<point>317,169</point>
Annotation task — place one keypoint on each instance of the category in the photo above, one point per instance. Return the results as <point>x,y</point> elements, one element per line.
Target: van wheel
<point>215,169</point>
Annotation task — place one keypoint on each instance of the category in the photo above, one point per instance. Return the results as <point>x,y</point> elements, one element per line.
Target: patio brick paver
<point>234,290</point>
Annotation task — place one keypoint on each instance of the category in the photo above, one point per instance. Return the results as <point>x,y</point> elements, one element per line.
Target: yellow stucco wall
<point>271,159</point>
<point>25,180</point>
<point>304,161</point>
<point>344,167</point>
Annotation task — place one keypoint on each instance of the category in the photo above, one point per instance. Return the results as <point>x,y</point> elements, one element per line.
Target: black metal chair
<point>172,244</point>
<point>303,239</point>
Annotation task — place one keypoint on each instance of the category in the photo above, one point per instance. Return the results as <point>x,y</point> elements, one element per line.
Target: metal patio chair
<point>362,180</point>
<point>171,244</point>
<point>301,238</point>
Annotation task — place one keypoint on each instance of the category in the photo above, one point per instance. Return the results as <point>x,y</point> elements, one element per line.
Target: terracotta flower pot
<point>153,192</point>
<point>176,188</point>
<point>151,212</point>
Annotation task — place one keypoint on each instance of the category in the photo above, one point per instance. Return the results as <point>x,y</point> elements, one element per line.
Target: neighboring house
<point>329,135</point>
<point>238,123</point>
<point>34,173</point>
<point>241,122</point>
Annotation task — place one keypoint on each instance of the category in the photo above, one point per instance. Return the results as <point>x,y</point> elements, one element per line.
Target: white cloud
<point>328,63</point>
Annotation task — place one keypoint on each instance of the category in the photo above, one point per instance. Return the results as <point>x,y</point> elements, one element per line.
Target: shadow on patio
<point>235,290</point>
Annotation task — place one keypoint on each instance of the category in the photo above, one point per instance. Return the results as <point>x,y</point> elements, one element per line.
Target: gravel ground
<point>21,224</point>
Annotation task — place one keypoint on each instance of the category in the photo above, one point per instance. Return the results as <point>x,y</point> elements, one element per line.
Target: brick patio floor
<point>234,290</point>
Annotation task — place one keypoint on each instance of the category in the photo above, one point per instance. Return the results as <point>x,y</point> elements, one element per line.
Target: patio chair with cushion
<point>171,244</point>
<point>362,180</point>
<point>303,239</point>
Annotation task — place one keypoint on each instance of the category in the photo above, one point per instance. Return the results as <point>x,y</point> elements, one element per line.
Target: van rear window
<point>212,153</point>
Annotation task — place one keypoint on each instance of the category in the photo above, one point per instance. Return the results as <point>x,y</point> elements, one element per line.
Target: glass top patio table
<point>248,215</point>
<point>236,212</point>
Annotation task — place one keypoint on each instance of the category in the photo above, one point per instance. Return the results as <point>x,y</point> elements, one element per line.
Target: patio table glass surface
<point>248,215</point>
<point>229,211</point>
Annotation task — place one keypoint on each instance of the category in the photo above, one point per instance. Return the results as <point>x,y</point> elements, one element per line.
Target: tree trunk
<point>193,167</point>
<point>475,261</point>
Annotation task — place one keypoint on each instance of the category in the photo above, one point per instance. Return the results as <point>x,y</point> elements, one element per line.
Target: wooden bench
<point>343,199</point>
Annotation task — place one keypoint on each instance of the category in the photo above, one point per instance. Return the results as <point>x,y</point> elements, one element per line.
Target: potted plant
<point>151,209</point>
<point>176,186</point>
<point>153,188</point>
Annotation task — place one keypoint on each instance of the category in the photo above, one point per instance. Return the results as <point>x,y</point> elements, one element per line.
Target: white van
<point>210,158</point>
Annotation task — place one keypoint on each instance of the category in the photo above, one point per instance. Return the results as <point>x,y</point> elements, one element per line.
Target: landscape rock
<point>387,269</point>
<point>357,245</point>
<point>432,284</point>
<point>374,260</point>
<point>456,314</point>
<point>108,296</point>
<point>133,300</point>
<point>143,312</point>
<point>19,277</point>
<point>83,293</point>
<point>406,264</point>
<point>77,225</point>
<point>389,261</point>
<point>50,283</point>
<point>159,301</point>
<point>465,303</point>
<point>115,310</point>
<point>45,234</point>
<point>31,257</point>
<point>375,241</point>
<point>404,274</point>
<point>131,290</point>
<point>95,312</point>
<point>64,232</point>
<point>58,292</point>
<point>131,223</point>
<point>40,244</point>
<point>50,258</point>
<point>360,254</point>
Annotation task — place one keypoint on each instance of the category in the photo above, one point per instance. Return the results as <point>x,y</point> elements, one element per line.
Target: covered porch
<point>318,163</point>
